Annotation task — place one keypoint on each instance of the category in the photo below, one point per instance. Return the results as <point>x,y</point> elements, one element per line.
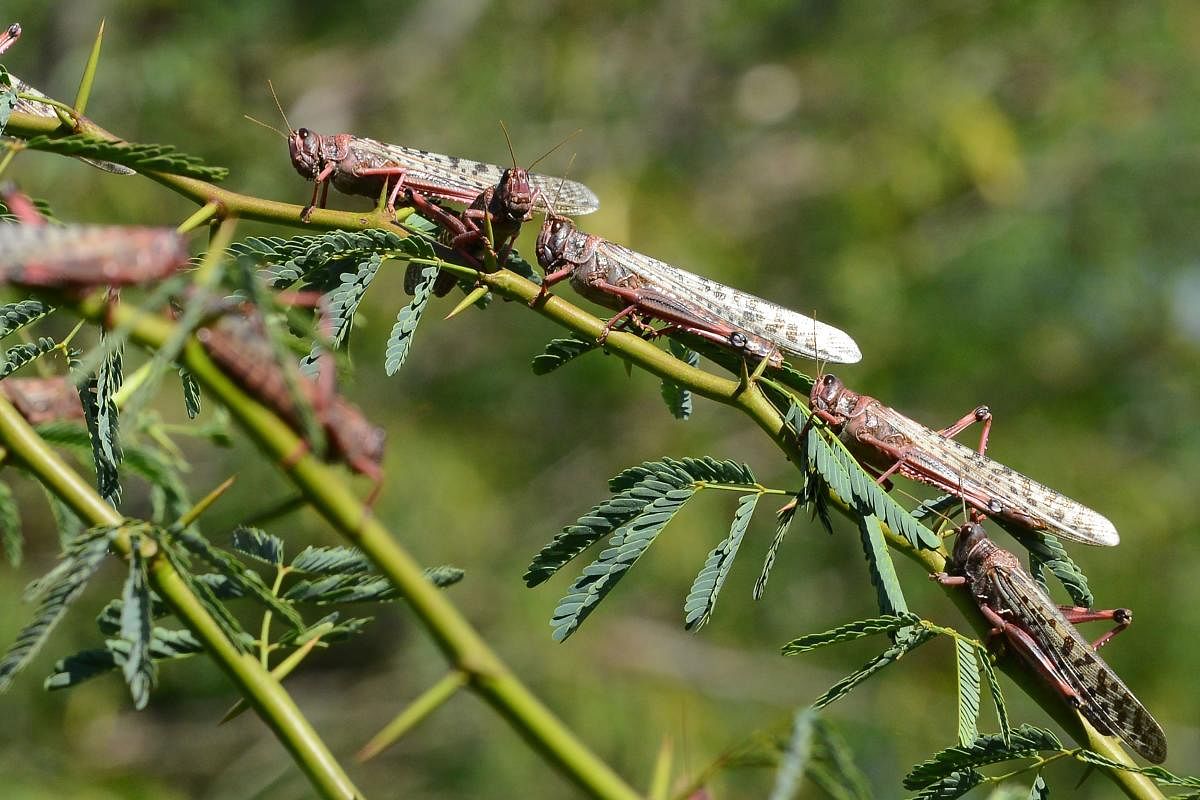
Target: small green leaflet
<point>850,631</point>
<point>1025,741</point>
<point>902,645</point>
<point>1039,790</point>
<point>558,352</point>
<point>786,515</point>
<point>10,526</point>
<point>141,157</point>
<point>20,355</point>
<point>702,598</point>
<point>678,399</point>
<point>968,691</point>
<point>879,562</point>
<point>136,623</point>
<point>400,341</point>
<point>339,307</point>
<point>258,544</point>
<point>14,316</point>
<point>794,760</point>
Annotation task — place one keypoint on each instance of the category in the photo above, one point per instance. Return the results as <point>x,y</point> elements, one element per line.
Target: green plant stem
<point>466,650</point>
<point>452,633</point>
<point>274,704</point>
<point>429,701</point>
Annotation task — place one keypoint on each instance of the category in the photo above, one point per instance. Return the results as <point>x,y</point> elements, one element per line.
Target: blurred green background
<point>997,200</point>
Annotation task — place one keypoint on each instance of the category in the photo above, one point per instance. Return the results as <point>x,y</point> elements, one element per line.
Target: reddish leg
<point>321,181</point>
<point>20,206</point>
<point>1122,617</point>
<point>980,414</point>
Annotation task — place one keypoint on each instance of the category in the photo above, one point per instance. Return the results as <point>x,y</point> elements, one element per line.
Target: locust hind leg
<point>979,414</point>
<point>1121,617</point>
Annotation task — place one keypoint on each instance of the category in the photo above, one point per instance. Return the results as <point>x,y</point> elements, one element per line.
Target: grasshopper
<point>41,400</point>
<point>361,166</point>
<point>81,257</point>
<point>635,284</point>
<point>1044,635</point>
<point>239,346</point>
<point>889,441</point>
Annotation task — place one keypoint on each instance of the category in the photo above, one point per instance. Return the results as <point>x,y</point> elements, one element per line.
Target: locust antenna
<point>549,152</point>
<point>508,141</point>
<point>561,183</point>
<point>265,125</point>
<point>279,105</point>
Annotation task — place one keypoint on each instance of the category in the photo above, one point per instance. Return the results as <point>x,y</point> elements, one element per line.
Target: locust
<point>41,400</point>
<point>240,347</point>
<point>1044,634</point>
<point>28,101</point>
<point>81,257</point>
<point>361,166</point>
<point>887,440</point>
<point>634,284</point>
<point>489,225</point>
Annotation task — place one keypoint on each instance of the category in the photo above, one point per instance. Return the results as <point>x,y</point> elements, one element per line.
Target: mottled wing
<point>569,198</point>
<point>954,467</point>
<point>462,179</point>
<point>1107,702</point>
<point>793,333</point>
<point>36,109</point>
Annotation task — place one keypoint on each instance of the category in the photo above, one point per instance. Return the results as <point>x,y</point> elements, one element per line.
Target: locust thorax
<point>305,149</point>
<point>514,195</point>
<point>830,395</point>
<point>552,240</point>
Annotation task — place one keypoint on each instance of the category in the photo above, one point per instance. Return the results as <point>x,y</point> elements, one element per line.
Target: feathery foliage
<point>100,412</point>
<point>702,598</point>
<point>339,307</point>
<point>1025,741</point>
<point>162,158</point>
<point>19,355</point>
<point>56,591</point>
<point>558,352</point>
<point>794,760</point>
<point>10,526</point>
<point>850,632</point>
<point>678,399</point>
<point>785,517</point>
<point>401,338</point>
<point>903,644</point>
<point>136,625</point>
<point>879,562</point>
<point>15,316</point>
<point>967,671</point>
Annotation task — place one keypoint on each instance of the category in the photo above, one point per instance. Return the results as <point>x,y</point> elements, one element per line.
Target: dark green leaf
<point>258,544</point>
<point>97,395</point>
<point>56,591</point>
<point>165,644</point>
<point>677,398</point>
<point>191,393</point>
<point>246,579</point>
<point>951,786</point>
<point>786,515</point>
<point>401,338</point>
<point>444,575</point>
<point>901,646</point>
<point>1158,773</point>
<point>1025,741</point>
<point>849,632</point>
<point>339,307</point>
<point>331,560</point>
<point>141,157</point>
<point>625,547</point>
<point>967,670</point>
<point>20,355</point>
<point>360,588</point>
<point>10,526</point>
<point>698,608</point>
<point>794,760</point>
<point>136,614</point>
<point>558,352</point>
<point>985,660</point>
<point>205,594</point>
<point>879,562</point>
<point>15,316</point>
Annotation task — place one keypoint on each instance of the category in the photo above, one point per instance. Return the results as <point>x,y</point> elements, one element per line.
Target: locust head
<point>830,395</point>
<point>552,240</point>
<point>971,535</point>
<point>304,146</point>
<point>514,195</point>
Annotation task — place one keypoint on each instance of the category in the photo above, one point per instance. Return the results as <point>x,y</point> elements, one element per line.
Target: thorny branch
<point>459,641</point>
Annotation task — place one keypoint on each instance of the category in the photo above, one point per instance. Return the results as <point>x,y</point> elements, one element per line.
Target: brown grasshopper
<point>239,346</point>
<point>41,400</point>
<point>82,257</point>
<point>887,440</point>
<point>361,166</point>
<point>1044,635</point>
<point>640,286</point>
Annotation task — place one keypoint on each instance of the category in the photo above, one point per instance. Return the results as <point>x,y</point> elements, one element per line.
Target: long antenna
<point>279,106</point>
<point>564,140</point>
<point>562,182</point>
<point>508,141</point>
<point>265,125</point>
